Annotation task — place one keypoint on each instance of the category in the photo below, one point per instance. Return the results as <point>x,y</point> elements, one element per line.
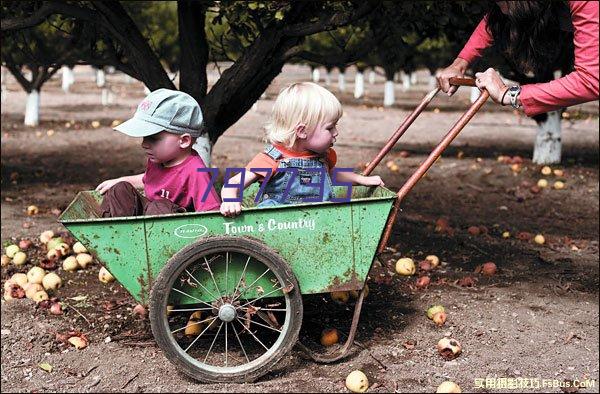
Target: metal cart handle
<point>433,156</point>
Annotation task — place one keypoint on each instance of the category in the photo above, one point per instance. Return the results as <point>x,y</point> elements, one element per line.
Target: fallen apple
<point>357,382</point>
<point>432,310</point>
<point>425,266</point>
<point>78,342</point>
<point>329,337</point>
<point>170,309</point>
<point>193,326</point>
<point>140,311</point>
<point>405,266</point>
<point>341,297</point>
<point>488,269</point>
<point>64,248</point>
<point>56,308</point>
<point>449,348</point>
<point>32,210</point>
<point>439,318</point>
<point>79,248</point>
<point>70,264</point>
<point>506,234</point>
<point>546,170</point>
<point>40,296</point>
<point>46,236</point>
<point>515,168</point>
<point>104,276</point>
<point>31,289</point>
<point>54,254</point>
<point>433,260</point>
<point>54,242</point>
<point>474,230</point>
<point>36,275</point>
<point>5,260</point>
<point>390,163</point>
<point>11,250</point>
<point>559,172</point>
<point>51,281</point>
<point>19,279</point>
<point>539,239</point>
<point>25,244</point>
<point>448,387</point>
<point>423,281</point>
<point>95,124</point>
<point>84,259</point>
<point>558,185</point>
<point>394,168</point>
<point>19,259</point>
<point>542,183</point>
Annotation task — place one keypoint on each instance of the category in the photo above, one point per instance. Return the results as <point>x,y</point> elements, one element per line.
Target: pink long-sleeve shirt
<point>577,87</point>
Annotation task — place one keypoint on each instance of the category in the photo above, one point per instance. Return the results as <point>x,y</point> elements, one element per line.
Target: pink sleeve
<point>480,39</point>
<point>201,182</point>
<point>579,86</point>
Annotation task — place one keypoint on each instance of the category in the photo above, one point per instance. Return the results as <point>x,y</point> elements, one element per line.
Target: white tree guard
<point>414,79</point>
<point>204,148</point>
<point>432,82</point>
<point>32,109</point>
<point>107,96</point>
<point>316,75</point>
<point>342,81</point>
<point>100,78</point>
<point>388,94</point>
<point>474,95</point>
<point>371,77</point>
<point>359,84</point>
<point>3,84</point>
<point>548,146</point>
<point>328,78</point>
<point>405,78</point>
<point>66,78</point>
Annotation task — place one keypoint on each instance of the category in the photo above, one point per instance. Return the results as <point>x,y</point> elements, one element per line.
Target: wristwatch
<point>514,92</point>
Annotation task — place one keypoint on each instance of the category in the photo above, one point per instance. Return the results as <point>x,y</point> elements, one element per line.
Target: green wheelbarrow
<point>225,294</point>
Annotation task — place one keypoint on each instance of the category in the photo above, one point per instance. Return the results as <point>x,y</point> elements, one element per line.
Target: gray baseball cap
<point>164,109</point>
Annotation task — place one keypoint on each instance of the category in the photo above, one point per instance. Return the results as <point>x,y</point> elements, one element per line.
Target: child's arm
<point>375,180</point>
<point>235,208</point>
<point>135,180</point>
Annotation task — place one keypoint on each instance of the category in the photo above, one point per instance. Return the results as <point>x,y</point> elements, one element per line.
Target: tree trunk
<point>316,75</point>
<point>328,78</point>
<point>100,78</point>
<point>359,84</point>
<point>413,78</point>
<point>547,149</point>
<point>32,108</point>
<point>192,42</point>
<point>342,81</point>
<point>67,78</point>
<point>204,148</point>
<point>405,79</point>
<point>474,95</point>
<point>371,77</point>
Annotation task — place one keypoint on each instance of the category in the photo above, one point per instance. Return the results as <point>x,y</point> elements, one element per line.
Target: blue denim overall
<point>303,186</point>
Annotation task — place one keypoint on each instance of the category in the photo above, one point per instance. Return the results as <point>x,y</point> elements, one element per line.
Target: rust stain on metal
<point>348,281</point>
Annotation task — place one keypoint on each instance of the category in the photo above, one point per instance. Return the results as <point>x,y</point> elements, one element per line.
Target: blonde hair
<point>303,102</point>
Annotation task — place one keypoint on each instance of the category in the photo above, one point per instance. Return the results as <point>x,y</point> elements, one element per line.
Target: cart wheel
<point>226,309</point>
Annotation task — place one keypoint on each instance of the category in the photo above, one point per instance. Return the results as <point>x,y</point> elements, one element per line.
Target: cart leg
<point>343,352</point>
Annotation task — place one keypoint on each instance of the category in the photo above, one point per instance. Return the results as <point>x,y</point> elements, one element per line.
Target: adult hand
<point>490,80</point>
<point>456,69</point>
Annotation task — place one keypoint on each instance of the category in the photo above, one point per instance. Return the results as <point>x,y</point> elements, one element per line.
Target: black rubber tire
<point>162,286</point>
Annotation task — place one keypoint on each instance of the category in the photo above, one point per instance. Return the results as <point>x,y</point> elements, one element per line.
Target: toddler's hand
<point>231,209</point>
<point>104,186</point>
<point>374,180</point>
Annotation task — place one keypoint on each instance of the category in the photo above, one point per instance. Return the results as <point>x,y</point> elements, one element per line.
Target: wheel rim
<point>239,326</point>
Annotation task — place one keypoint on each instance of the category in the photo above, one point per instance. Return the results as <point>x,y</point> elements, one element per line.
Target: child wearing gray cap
<point>169,122</point>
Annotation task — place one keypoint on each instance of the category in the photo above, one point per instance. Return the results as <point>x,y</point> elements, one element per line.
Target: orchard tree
<point>268,35</point>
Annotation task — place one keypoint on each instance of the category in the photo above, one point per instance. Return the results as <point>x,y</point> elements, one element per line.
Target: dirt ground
<point>536,319</point>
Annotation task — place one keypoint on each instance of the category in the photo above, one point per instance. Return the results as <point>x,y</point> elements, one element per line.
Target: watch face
<point>514,89</point>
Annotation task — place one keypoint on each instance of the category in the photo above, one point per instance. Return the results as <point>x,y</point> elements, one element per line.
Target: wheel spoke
<point>243,272</point>
<point>226,287</point>
<point>192,297</point>
<point>251,333</point>
<point>247,287</point>
<point>262,296</point>
<point>213,342</point>
<point>194,323</point>
<point>240,342</point>
<point>226,325</point>
<point>199,335</point>
<point>192,309</point>
<point>260,308</point>
<point>201,285</point>
<point>264,325</point>
<point>212,276</point>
